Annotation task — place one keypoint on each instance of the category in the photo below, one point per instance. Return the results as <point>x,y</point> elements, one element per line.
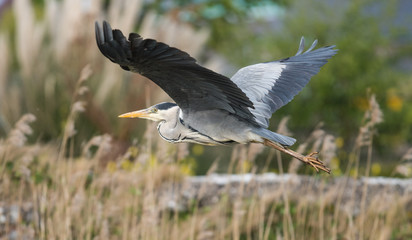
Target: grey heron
<point>210,108</point>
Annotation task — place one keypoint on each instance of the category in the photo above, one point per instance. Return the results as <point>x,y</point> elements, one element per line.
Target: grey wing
<point>271,85</point>
<point>191,86</point>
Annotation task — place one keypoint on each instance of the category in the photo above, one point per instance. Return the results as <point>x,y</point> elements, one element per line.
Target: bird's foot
<point>314,161</point>
<point>310,159</point>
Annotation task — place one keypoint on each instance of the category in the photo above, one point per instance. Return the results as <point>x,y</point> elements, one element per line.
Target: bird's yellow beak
<point>136,114</point>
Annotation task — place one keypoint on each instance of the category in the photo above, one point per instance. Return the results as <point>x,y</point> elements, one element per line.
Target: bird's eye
<point>154,110</point>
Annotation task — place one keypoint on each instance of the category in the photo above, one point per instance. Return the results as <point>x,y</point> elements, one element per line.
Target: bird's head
<point>158,112</point>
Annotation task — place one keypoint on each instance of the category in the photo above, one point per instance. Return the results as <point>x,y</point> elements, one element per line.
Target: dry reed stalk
<point>77,107</point>
<point>123,13</point>
<point>4,68</point>
<point>65,20</point>
<point>404,168</point>
<point>17,136</point>
<point>328,149</point>
<point>29,36</point>
<point>372,117</point>
<point>233,159</point>
<point>282,129</point>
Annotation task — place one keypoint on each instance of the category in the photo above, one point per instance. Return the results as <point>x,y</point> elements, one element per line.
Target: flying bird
<point>210,108</point>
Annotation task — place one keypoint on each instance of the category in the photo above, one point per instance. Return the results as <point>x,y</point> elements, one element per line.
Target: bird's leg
<point>310,159</point>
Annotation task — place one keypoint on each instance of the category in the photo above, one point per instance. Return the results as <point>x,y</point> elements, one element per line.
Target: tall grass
<point>85,183</point>
<point>140,196</point>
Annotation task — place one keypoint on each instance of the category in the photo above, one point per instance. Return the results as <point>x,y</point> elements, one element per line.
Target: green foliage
<point>367,59</point>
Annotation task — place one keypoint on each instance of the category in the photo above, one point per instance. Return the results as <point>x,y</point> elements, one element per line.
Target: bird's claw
<point>314,161</point>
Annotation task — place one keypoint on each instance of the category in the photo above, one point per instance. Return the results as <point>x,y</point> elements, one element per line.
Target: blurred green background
<point>44,45</point>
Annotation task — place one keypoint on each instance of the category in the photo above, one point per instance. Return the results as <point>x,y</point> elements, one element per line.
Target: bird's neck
<point>169,129</point>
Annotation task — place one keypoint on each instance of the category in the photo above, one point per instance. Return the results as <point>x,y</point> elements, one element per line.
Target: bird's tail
<point>274,137</point>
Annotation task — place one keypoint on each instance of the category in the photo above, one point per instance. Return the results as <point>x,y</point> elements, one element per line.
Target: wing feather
<point>192,87</point>
<point>274,84</point>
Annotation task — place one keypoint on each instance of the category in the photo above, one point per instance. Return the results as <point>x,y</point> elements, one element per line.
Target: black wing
<point>191,86</point>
